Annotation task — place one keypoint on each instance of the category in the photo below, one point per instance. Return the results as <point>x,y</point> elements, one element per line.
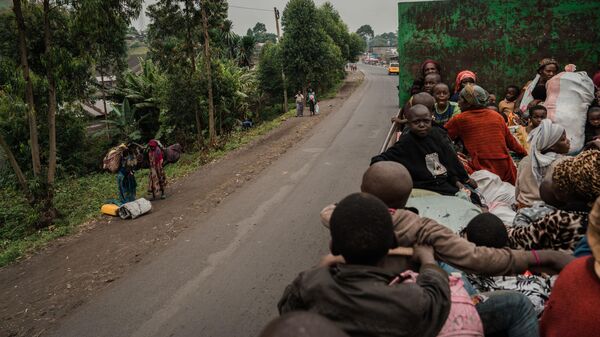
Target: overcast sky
<point>380,14</point>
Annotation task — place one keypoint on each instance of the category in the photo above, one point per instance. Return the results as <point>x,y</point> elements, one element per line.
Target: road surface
<point>225,274</point>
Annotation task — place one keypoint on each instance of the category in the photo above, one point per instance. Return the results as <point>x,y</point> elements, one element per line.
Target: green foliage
<point>311,57</point>
<point>143,91</point>
<point>366,32</point>
<point>269,72</point>
<point>122,126</point>
<point>384,40</point>
<point>356,47</point>
<point>81,198</point>
<point>260,34</point>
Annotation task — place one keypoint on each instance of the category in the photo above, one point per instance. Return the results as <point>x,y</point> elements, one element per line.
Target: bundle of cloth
<point>569,95</point>
<point>134,209</point>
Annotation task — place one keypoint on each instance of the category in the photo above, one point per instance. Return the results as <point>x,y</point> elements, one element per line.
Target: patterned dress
<point>157,180</point>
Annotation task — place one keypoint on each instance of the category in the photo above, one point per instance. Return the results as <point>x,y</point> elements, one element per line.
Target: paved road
<point>225,275</point>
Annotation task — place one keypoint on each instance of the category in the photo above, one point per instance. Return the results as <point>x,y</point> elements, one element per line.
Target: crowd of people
<point>527,265</point>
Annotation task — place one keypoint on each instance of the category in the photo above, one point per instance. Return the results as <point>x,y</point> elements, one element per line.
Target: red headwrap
<point>597,79</point>
<point>437,65</point>
<point>153,143</point>
<point>461,76</point>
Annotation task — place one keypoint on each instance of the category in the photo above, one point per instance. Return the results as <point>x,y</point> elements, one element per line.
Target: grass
<point>79,199</point>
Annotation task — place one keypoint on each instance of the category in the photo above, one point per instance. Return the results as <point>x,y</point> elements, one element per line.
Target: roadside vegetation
<point>196,82</point>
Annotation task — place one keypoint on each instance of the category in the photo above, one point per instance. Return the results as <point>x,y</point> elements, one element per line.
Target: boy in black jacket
<point>432,163</point>
<point>360,296</point>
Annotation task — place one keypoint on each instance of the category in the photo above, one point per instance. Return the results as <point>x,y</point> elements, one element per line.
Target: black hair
<point>487,230</point>
<point>513,87</point>
<point>537,107</point>
<point>361,229</point>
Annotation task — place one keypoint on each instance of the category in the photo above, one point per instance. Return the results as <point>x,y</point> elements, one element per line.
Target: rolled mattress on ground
<point>135,208</point>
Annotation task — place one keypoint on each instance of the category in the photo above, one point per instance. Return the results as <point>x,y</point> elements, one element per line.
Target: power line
<point>252,8</point>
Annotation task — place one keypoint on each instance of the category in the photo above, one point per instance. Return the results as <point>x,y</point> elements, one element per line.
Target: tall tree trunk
<point>49,212</point>
<point>15,165</point>
<point>189,5</point>
<point>31,115</point>
<point>104,102</point>
<point>212,138</point>
<point>51,100</point>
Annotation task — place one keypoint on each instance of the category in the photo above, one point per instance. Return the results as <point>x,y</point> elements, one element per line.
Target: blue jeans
<point>507,313</point>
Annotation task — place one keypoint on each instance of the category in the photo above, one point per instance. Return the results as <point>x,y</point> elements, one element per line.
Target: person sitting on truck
<point>484,134</point>
<point>571,309</point>
<point>549,143</point>
<point>507,105</point>
<point>534,92</point>
<point>362,297</point>
<point>419,98</point>
<point>433,165</point>
<point>443,109</point>
<point>430,81</point>
<point>391,182</point>
<point>427,67</point>
<point>463,77</point>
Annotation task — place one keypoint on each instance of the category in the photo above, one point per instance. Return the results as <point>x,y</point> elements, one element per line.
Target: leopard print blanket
<point>558,230</point>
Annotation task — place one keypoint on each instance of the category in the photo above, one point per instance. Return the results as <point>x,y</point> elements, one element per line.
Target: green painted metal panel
<point>501,40</point>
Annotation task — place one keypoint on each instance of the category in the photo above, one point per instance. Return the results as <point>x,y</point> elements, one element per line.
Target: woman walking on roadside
<point>157,179</point>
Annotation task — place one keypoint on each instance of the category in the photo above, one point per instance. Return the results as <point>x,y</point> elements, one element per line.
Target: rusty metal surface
<point>501,40</point>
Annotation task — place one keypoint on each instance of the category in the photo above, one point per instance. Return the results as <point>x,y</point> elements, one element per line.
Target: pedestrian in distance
<point>312,102</point>
<point>126,178</point>
<point>157,179</point>
<point>299,104</point>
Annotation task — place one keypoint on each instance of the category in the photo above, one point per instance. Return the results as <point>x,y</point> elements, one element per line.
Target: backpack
<point>112,160</point>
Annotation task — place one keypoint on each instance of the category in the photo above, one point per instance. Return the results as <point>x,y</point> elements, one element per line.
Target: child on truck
<point>360,296</point>
<point>433,165</point>
<point>443,109</point>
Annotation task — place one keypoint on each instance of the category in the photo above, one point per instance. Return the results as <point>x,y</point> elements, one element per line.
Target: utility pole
<point>285,98</point>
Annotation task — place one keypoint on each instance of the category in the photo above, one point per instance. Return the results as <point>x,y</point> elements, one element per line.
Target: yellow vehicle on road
<point>394,68</point>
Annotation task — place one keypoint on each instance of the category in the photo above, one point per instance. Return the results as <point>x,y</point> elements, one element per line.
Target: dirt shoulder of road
<point>38,292</point>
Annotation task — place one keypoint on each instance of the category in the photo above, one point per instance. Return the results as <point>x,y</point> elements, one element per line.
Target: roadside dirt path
<point>37,292</point>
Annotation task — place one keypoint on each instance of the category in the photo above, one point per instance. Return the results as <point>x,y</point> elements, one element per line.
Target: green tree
<point>143,91</point>
<point>311,56</point>
<point>55,52</point>
<point>356,46</point>
<point>125,127</point>
<point>269,71</point>
<point>366,32</point>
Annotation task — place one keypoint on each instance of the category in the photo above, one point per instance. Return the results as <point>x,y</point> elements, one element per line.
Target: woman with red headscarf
<point>463,77</point>
<point>427,67</point>
<point>157,179</point>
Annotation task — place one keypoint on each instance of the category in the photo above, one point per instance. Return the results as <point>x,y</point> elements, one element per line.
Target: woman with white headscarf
<point>548,143</point>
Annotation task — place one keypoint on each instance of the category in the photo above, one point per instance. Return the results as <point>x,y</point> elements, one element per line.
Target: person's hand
<point>471,182</point>
<point>396,120</point>
<point>593,145</point>
<point>423,254</point>
<point>460,186</point>
<point>330,259</point>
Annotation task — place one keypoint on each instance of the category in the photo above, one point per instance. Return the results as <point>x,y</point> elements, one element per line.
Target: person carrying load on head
<point>125,176</point>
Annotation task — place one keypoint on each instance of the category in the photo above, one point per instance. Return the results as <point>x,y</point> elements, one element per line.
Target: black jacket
<point>431,161</point>
<point>359,300</point>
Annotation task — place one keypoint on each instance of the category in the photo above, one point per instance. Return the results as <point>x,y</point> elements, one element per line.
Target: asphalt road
<point>225,275</point>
